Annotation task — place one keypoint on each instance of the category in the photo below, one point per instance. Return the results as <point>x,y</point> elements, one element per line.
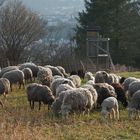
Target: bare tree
<point>19,28</point>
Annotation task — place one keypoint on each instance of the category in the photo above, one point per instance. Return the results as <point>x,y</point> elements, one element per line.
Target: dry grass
<point>18,122</point>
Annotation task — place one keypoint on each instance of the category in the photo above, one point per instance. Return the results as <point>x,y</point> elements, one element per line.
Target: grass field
<point>18,122</point>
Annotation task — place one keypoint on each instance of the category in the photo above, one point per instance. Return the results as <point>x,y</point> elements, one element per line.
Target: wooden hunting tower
<point>97,48</point>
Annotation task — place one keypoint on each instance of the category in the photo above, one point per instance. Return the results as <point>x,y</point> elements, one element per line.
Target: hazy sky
<point>51,6</point>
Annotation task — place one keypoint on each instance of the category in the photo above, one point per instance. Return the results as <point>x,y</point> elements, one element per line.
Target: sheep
<point>55,70</point>
<point>76,100</point>
<point>7,69</point>
<point>133,87</point>
<point>93,92</point>
<point>121,94</point>
<point>104,77</point>
<point>62,87</point>
<point>55,83</point>
<point>56,77</point>
<point>104,90</point>
<point>15,76</point>
<point>134,106</point>
<point>110,107</point>
<point>4,88</point>
<point>32,66</point>
<point>76,80</point>
<point>28,75</point>
<point>128,81</point>
<point>39,93</point>
<point>89,76</point>
<point>62,70</point>
<point>44,76</point>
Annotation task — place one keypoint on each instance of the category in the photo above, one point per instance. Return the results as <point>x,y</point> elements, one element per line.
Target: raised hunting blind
<point>98,48</point>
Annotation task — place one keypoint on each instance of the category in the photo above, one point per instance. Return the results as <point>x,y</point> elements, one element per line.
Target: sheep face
<point>65,110</point>
<point>104,113</point>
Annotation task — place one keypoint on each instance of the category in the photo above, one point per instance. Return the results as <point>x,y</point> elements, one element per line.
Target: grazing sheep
<point>28,75</point>
<point>55,70</point>
<point>93,92</point>
<point>62,87</point>
<point>15,76</point>
<point>32,66</point>
<point>128,81</point>
<point>110,107</point>
<point>62,70</point>
<point>4,86</point>
<point>44,76</point>
<point>133,87</point>
<point>7,69</point>
<point>76,80</point>
<point>134,106</point>
<point>76,100</point>
<point>104,91</point>
<point>55,83</point>
<point>89,76</point>
<point>56,105</point>
<point>121,94</point>
<point>104,77</point>
<point>39,93</point>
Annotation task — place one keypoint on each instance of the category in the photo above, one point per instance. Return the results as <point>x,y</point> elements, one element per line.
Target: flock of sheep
<point>64,94</point>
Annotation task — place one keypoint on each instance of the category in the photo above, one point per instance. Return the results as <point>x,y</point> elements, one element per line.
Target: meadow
<point>18,122</point>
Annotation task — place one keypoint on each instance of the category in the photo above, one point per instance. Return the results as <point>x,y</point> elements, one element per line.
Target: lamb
<point>32,66</point>
<point>44,76</point>
<point>133,87</point>
<point>15,76</point>
<point>104,90</point>
<point>39,93</point>
<point>89,76</point>
<point>55,83</point>
<point>93,92</point>
<point>28,75</point>
<point>76,100</point>
<point>62,87</point>
<point>76,80</point>
<point>110,107</point>
<point>121,94</point>
<point>7,69</point>
<point>128,81</point>
<point>134,106</point>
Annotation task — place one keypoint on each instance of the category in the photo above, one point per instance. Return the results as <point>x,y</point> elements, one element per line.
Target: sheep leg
<point>1,104</point>
<point>32,105</point>
<point>39,105</point>
<point>113,113</point>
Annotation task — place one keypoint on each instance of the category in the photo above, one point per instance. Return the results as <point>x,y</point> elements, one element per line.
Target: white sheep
<point>44,76</point>
<point>93,92</point>
<point>76,100</point>
<point>110,107</point>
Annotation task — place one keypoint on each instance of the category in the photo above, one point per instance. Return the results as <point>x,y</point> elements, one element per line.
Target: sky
<point>48,7</point>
